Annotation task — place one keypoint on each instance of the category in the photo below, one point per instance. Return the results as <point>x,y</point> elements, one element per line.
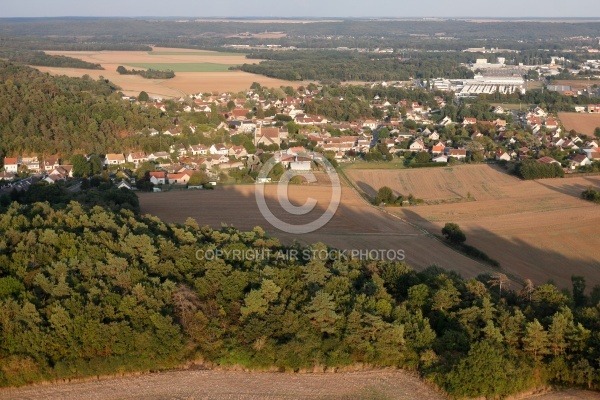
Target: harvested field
<point>536,229</point>
<point>229,385</point>
<point>220,385</point>
<point>576,84</point>
<point>355,226</point>
<point>580,122</point>
<point>446,184</point>
<point>196,71</point>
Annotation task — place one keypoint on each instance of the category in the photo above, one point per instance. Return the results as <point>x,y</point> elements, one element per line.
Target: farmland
<point>197,71</point>
<point>582,123</point>
<point>536,229</point>
<point>355,225</point>
<point>225,385</point>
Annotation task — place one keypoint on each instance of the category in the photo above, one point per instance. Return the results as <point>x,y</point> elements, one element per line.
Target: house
<point>198,150</point>
<point>137,158</point>
<point>371,124</point>
<point>179,149</point>
<point>180,179</point>
<point>547,160</point>
<point>158,178</point>
<point>469,121</point>
<point>579,160</point>
<point>159,154</point>
<point>50,163</point>
<point>441,158</point>
<point>445,121</point>
<point>7,176</point>
<point>31,163</point>
<point>417,145</point>
<point>124,184</point>
<point>438,148</point>
<point>114,159</point>
<point>294,151</point>
<point>499,110</point>
<point>218,149</point>
<point>434,136</point>
<point>11,164</point>
<point>459,154</point>
<point>551,123</point>
<point>301,164</point>
<point>64,170</point>
<point>502,155</point>
<point>238,151</point>
<point>593,108</point>
<point>266,136</point>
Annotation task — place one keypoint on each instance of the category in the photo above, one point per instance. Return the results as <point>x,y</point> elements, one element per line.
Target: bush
<point>453,233</point>
<point>591,195</point>
<point>384,195</point>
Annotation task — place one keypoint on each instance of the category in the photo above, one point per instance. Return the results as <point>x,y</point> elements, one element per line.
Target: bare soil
<point>539,229</point>
<point>356,225</point>
<point>219,385</point>
<point>580,122</point>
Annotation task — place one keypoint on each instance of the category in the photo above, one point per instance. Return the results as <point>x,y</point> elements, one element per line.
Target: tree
<point>499,280</point>
<point>535,340</point>
<point>597,132</point>
<point>384,195</point>
<point>81,167</point>
<point>198,178</point>
<point>143,96</point>
<point>383,133</point>
<point>422,157</point>
<point>453,233</point>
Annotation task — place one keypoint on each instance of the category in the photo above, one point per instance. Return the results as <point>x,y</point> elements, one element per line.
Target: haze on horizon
<point>307,8</point>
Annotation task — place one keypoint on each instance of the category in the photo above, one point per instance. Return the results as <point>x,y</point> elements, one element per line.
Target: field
<point>577,84</point>
<point>580,122</point>
<point>196,71</point>
<point>184,67</point>
<point>230,385</point>
<point>355,226</point>
<point>536,229</point>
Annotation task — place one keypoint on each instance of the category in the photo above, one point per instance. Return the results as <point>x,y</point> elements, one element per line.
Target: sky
<point>301,8</point>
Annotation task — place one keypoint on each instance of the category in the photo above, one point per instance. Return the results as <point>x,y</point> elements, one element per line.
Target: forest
<point>39,58</point>
<point>89,291</point>
<point>41,114</point>
<point>350,66</point>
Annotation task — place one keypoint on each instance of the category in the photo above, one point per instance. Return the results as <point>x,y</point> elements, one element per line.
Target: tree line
<point>148,73</point>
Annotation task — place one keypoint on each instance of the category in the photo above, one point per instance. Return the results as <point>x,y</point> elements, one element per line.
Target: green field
<point>194,53</point>
<point>184,67</point>
<point>395,164</point>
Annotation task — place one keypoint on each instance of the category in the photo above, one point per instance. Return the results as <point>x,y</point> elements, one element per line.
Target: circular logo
<point>298,167</point>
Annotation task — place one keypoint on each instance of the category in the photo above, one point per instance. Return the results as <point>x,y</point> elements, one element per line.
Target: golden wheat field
<point>201,71</point>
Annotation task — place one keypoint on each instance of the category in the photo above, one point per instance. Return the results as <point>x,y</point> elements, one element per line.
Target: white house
<point>218,148</point>
<point>199,150</point>
<point>158,178</point>
<point>417,145</point>
<point>114,159</point>
<point>11,164</point>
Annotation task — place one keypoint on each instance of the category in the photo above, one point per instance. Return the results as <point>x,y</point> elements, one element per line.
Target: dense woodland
<point>39,58</point>
<point>41,114</point>
<point>90,292</point>
<point>348,66</point>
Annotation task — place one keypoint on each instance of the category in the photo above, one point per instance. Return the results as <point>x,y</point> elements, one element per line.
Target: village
<point>255,127</point>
